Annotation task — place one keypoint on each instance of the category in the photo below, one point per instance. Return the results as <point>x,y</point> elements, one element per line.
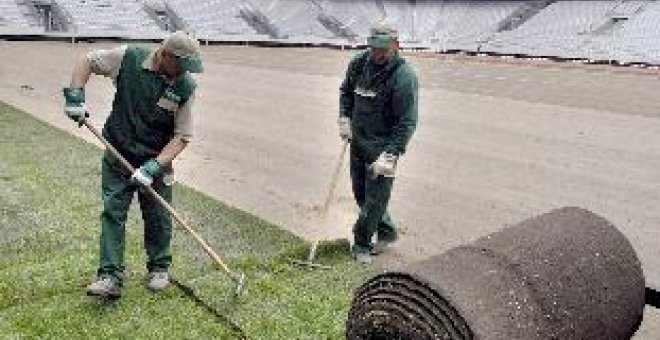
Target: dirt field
<point>496,143</point>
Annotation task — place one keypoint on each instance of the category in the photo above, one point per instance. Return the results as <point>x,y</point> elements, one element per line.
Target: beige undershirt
<point>108,63</point>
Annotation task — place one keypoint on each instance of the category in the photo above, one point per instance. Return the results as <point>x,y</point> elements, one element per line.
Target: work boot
<point>104,287</point>
<point>157,281</point>
<point>362,258</point>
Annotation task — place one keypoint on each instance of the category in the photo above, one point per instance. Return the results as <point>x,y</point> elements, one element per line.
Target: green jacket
<point>381,101</point>
<point>142,120</point>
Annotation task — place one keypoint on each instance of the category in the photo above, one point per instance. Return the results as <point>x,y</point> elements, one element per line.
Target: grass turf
<point>49,227</point>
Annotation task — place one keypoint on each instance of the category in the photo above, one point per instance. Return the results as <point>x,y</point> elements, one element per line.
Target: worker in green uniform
<point>150,124</point>
<point>378,115</point>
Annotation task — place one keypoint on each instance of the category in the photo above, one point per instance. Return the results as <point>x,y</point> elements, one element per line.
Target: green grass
<point>49,228</point>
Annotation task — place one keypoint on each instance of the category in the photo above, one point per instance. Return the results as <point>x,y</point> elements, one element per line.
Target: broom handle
<point>160,200</point>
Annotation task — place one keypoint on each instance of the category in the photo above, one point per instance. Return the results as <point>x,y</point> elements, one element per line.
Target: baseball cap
<point>381,34</point>
<point>186,48</point>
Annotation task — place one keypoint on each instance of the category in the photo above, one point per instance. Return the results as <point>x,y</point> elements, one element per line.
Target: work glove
<point>345,128</point>
<point>74,106</point>
<point>385,165</point>
<point>147,172</point>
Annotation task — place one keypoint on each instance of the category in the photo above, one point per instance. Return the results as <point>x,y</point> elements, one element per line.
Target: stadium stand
<point>356,16</point>
<point>619,31</point>
<point>402,15</point>
<point>524,12</point>
<point>294,19</point>
<point>557,30</point>
<point>627,8</point>
<point>636,40</point>
<point>110,18</point>
<point>464,26</point>
<point>214,19</point>
<point>17,18</point>
<point>640,38</point>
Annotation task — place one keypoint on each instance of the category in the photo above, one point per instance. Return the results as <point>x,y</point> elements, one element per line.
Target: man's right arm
<point>102,62</point>
<point>347,98</point>
<point>81,73</point>
<point>74,95</point>
<point>346,90</point>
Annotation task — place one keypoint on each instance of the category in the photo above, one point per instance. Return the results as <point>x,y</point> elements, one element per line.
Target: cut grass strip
<point>49,213</point>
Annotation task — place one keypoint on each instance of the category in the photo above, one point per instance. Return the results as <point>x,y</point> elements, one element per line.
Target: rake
<point>309,261</point>
<point>237,277</point>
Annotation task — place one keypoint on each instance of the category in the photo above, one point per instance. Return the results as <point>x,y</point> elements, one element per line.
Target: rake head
<point>309,264</point>
<point>326,247</point>
<point>239,279</point>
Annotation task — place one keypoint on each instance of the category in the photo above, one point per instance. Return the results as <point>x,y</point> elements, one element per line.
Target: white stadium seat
<point>620,30</point>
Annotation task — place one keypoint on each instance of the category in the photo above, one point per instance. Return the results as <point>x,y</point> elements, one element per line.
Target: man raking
<point>150,124</point>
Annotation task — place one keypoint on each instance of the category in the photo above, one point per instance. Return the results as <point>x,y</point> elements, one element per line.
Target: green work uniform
<point>141,123</point>
<point>381,101</point>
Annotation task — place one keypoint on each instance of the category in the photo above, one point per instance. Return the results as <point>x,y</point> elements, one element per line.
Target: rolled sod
<point>566,274</point>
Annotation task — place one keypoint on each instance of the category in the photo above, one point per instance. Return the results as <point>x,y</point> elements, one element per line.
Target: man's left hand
<point>147,172</point>
<point>345,128</point>
<point>384,166</point>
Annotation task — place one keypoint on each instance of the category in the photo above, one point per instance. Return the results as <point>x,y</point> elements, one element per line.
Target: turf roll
<point>565,274</point>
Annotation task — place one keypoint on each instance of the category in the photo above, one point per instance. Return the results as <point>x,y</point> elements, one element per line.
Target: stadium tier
<point>624,31</point>
<point>114,18</point>
<point>17,18</point>
<point>210,19</point>
<point>292,19</point>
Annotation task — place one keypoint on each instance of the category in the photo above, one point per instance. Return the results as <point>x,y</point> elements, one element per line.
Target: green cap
<point>381,34</point>
<point>187,49</point>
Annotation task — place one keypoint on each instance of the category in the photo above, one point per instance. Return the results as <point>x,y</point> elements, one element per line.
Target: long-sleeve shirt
<point>381,101</point>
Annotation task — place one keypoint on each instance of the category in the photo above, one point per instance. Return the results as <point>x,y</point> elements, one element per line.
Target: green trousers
<point>372,196</point>
<point>118,192</point>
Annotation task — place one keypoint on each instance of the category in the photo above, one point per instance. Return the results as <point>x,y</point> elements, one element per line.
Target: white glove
<point>385,165</point>
<point>76,111</point>
<point>74,106</point>
<point>146,173</point>
<point>345,128</point>
<point>142,177</point>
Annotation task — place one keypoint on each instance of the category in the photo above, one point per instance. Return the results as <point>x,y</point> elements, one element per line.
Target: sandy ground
<point>496,143</point>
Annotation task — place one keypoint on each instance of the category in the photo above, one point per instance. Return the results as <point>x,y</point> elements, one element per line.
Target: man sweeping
<point>150,124</point>
<point>378,115</point>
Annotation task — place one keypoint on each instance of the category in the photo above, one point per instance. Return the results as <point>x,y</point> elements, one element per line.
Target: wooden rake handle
<point>331,194</point>
<point>333,180</point>
<point>162,202</point>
